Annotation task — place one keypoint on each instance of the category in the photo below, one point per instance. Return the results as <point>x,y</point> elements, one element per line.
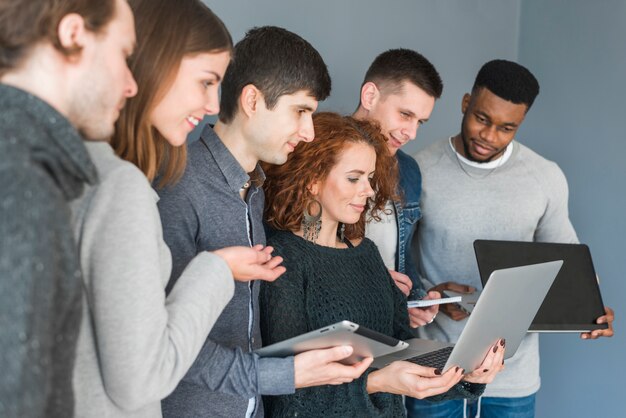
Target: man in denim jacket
<point>399,93</point>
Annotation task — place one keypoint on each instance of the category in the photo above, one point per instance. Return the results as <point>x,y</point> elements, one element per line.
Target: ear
<point>370,95</point>
<point>465,102</point>
<point>71,32</point>
<point>250,99</point>
<point>314,188</point>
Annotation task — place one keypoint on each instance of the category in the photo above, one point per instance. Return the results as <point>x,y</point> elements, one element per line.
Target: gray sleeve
<point>555,225</point>
<point>231,371</point>
<point>180,225</point>
<point>219,368</point>
<point>39,304</point>
<point>146,343</point>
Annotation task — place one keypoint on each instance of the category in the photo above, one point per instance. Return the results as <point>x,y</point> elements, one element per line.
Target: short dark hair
<point>395,66</point>
<point>24,24</point>
<point>509,81</point>
<point>277,62</point>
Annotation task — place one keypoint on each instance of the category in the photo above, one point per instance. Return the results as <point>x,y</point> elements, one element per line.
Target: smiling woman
<point>137,343</point>
<point>191,61</point>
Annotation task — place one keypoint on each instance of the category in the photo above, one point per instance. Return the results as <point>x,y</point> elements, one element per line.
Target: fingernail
<point>438,372</point>
<point>347,349</point>
<point>495,348</point>
<point>457,369</point>
<point>502,361</point>
<point>485,370</point>
<point>462,371</point>
<point>503,342</point>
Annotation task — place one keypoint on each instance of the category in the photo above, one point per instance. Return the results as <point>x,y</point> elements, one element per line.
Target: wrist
<point>373,382</point>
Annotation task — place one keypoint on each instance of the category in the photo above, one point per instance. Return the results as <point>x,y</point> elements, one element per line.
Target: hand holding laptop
<point>409,379</point>
<point>491,365</point>
<point>604,319</point>
<point>453,310</point>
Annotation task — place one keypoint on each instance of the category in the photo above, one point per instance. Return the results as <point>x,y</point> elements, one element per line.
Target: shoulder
<point>116,175</point>
<point>123,191</point>
<point>545,171</point>
<point>432,154</point>
<point>24,181</point>
<point>284,242</point>
<point>405,160</point>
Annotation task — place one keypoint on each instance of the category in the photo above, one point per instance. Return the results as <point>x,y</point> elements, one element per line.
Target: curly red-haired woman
<point>317,204</point>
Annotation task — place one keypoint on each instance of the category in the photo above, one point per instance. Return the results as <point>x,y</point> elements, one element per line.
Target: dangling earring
<point>342,230</point>
<point>312,224</point>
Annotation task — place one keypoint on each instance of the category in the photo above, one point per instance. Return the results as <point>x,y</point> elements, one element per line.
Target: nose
<point>212,105</point>
<point>368,191</point>
<point>306,131</point>
<point>488,133</point>
<point>410,129</point>
<point>131,84</point>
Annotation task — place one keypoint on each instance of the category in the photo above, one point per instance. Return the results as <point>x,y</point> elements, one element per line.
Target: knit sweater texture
<point>523,199</point>
<point>43,166</point>
<point>136,344</point>
<point>323,286</point>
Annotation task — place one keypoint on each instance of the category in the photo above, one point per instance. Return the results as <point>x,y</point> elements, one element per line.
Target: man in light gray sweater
<point>483,184</point>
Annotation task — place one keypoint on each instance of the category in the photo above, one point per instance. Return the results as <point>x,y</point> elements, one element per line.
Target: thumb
<point>336,353</point>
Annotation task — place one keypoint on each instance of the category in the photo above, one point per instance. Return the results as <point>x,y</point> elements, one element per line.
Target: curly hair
<point>286,186</point>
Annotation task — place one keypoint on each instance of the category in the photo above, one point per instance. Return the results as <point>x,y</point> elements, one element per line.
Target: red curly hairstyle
<point>286,185</point>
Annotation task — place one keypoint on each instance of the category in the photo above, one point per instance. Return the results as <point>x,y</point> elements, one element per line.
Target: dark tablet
<point>573,303</point>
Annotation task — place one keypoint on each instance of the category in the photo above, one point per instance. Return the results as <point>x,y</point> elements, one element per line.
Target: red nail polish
<point>495,348</point>
<point>485,370</point>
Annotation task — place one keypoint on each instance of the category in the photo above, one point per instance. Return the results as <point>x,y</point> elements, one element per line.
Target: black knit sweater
<point>322,286</point>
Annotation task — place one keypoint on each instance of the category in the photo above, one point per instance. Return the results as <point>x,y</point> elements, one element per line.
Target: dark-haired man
<point>269,94</point>
<point>482,183</point>
<point>64,78</point>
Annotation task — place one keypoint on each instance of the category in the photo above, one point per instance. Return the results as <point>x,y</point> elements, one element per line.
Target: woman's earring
<point>342,230</point>
<point>312,224</point>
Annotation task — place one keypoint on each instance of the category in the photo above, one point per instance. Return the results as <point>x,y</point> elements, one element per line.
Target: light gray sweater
<point>135,344</point>
<point>524,199</point>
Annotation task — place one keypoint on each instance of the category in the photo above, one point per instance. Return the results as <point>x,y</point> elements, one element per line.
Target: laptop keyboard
<point>436,359</point>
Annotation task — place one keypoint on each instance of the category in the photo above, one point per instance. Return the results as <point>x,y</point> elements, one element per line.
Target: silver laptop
<point>505,309</point>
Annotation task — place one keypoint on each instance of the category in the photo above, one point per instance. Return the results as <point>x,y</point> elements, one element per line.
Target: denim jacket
<point>408,212</point>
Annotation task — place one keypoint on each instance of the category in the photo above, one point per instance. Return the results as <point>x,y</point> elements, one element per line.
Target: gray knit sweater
<point>135,344</point>
<point>524,199</point>
<point>43,165</point>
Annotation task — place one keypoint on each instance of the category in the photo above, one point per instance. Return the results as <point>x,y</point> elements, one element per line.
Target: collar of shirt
<point>233,172</point>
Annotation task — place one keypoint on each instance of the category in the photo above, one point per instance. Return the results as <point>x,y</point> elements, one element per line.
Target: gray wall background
<point>576,48</point>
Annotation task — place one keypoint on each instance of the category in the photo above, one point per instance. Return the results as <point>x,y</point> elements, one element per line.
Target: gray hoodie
<point>43,165</point>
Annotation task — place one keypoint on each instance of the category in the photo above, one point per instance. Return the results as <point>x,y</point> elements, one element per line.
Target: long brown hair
<point>286,186</point>
<point>167,31</point>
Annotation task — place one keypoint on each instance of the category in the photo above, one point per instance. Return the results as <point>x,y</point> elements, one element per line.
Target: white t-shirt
<point>384,234</point>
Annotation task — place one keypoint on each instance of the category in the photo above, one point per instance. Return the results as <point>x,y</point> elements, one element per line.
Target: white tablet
<point>366,342</point>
